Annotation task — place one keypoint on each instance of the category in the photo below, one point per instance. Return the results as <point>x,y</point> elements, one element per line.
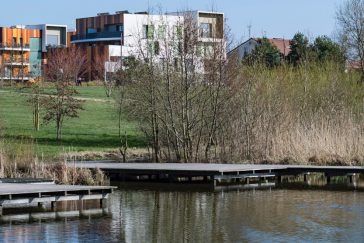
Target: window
<point>162,32</point>
<point>156,48</point>
<point>150,48</point>
<point>205,30</point>
<point>120,28</point>
<point>53,40</point>
<point>145,31</point>
<point>14,40</point>
<point>200,50</point>
<point>208,50</point>
<point>91,30</point>
<point>21,41</point>
<point>148,31</point>
<point>178,30</point>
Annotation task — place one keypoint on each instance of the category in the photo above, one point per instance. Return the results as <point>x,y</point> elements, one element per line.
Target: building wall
<point>69,34</point>
<point>97,22</point>
<point>134,37</point>
<point>16,57</point>
<point>7,35</point>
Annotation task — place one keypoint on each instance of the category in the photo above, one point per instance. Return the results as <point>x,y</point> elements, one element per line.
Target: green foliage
<point>300,49</point>
<point>327,50</point>
<point>264,53</point>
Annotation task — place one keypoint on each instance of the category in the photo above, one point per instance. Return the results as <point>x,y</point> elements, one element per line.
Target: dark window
<point>120,28</point>
<point>145,31</point>
<point>156,48</point>
<point>14,40</point>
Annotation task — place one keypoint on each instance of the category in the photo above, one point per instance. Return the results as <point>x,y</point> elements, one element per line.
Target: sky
<point>270,18</point>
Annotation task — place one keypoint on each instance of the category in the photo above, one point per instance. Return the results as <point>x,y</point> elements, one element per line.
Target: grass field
<point>95,130</point>
<point>95,92</point>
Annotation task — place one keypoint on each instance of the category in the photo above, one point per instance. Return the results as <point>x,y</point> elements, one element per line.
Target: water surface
<point>191,213</point>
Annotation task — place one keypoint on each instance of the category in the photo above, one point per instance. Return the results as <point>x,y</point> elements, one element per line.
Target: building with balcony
<point>19,51</point>
<point>121,35</point>
<point>23,49</point>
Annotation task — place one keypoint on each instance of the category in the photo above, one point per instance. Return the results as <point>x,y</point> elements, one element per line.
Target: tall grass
<point>312,114</point>
<point>18,160</point>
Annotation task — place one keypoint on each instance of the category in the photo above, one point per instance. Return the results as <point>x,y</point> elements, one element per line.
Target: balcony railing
<point>14,46</point>
<point>98,35</point>
<point>18,76</point>
<point>17,60</point>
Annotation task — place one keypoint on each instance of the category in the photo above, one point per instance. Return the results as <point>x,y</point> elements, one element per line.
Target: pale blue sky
<point>274,18</point>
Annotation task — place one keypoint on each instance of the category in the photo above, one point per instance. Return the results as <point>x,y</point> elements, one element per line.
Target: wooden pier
<point>39,194</point>
<point>173,172</point>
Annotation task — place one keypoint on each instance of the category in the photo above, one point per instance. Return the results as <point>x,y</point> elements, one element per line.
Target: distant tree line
<point>323,49</point>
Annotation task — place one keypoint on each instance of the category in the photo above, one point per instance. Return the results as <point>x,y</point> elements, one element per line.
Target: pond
<point>199,213</point>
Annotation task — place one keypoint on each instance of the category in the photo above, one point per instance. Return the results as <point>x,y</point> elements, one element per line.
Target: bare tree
<point>64,67</point>
<point>66,63</point>
<point>350,18</point>
<point>105,71</point>
<point>35,102</point>
<point>179,92</point>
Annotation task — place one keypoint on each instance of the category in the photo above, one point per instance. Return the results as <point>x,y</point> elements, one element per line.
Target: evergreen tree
<point>300,49</point>
<point>327,50</point>
<point>264,53</point>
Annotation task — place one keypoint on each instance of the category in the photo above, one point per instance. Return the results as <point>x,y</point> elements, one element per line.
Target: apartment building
<point>122,35</point>
<point>23,49</point>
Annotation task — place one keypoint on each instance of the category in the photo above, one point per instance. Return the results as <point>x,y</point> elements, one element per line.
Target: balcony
<point>99,36</point>
<point>17,77</point>
<point>14,47</point>
<point>17,61</point>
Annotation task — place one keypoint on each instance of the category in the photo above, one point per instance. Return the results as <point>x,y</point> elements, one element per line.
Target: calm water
<point>194,214</point>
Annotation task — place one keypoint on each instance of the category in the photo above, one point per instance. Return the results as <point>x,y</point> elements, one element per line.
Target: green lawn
<point>95,130</point>
<point>96,92</point>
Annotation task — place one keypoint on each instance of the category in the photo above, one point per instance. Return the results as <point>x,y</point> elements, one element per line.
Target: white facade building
<point>144,36</point>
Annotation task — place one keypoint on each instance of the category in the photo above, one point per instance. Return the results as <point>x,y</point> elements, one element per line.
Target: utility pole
<point>249,30</point>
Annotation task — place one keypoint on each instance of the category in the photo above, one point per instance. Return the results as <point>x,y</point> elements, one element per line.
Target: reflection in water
<point>194,214</point>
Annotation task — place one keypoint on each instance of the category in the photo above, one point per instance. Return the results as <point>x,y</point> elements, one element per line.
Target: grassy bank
<point>19,160</point>
<point>95,130</point>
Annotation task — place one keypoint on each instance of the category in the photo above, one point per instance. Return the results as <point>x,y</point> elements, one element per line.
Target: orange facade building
<point>23,49</point>
<point>16,56</point>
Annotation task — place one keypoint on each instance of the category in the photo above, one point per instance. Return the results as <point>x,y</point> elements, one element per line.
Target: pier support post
<point>1,210</point>
<point>306,178</point>
<point>279,179</point>
<point>247,181</point>
<point>328,179</point>
<point>101,203</point>
<point>352,180</point>
<point>53,205</point>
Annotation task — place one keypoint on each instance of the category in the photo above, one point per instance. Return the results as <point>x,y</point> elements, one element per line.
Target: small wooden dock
<point>40,194</point>
<point>173,172</point>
